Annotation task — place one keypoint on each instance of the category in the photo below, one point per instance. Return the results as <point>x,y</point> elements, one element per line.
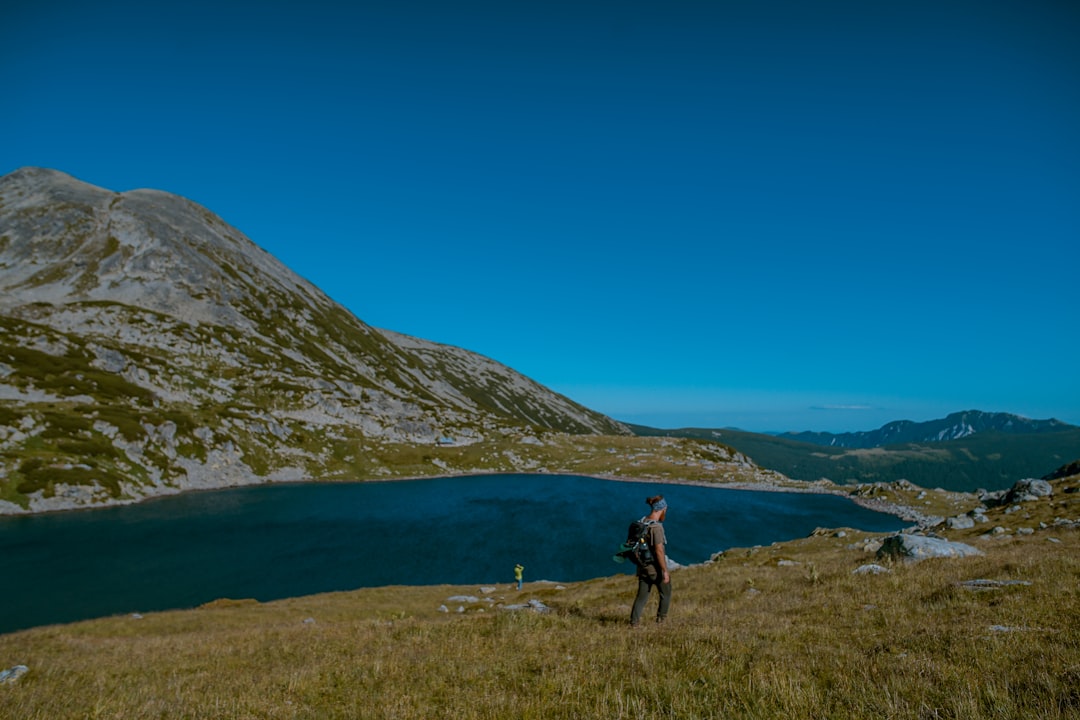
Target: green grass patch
<point>70,374</point>
<point>45,477</point>
<point>64,424</point>
<point>10,413</point>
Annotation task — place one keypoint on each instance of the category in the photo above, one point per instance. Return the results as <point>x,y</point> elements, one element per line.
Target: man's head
<point>658,505</point>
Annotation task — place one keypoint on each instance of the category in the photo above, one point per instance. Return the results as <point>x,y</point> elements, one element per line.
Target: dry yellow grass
<point>784,631</point>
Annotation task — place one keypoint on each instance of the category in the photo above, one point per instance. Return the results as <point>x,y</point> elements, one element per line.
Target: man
<point>655,573</point>
<point>519,569</point>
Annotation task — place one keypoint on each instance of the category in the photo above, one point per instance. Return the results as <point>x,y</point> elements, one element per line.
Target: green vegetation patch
<point>70,374</point>
<point>100,447</point>
<point>39,475</point>
<point>10,413</point>
<point>126,419</point>
<point>65,424</point>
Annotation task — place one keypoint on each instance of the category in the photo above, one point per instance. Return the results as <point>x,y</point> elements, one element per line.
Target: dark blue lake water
<point>274,541</point>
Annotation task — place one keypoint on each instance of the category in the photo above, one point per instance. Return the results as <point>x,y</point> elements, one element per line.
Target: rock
<point>914,548</point>
<point>444,609</point>
<point>13,674</point>
<point>992,499</point>
<point>982,584</point>
<point>870,570</point>
<point>1007,629</point>
<point>534,605</point>
<point>960,522</point>
<point>463,599</point>
<point>1028,490</point>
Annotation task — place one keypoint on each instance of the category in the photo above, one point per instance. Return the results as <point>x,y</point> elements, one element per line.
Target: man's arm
<point>661,559</point>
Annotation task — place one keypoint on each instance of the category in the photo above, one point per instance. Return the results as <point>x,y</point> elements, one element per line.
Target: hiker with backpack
<point>650,556</point>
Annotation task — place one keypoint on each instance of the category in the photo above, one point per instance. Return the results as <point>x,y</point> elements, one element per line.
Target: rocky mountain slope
<point>147,347</point>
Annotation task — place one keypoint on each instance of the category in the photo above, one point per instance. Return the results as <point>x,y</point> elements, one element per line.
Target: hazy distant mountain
<point>963,452</point>
<point>146,346</point>
<point>954,427</point>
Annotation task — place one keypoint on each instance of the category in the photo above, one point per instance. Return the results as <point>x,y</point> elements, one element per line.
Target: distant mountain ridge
<point>965,451</point>
<point>953,427</point>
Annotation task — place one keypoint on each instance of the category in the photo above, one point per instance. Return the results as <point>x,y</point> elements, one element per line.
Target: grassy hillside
<point>989,460</point>
<point>785,631</point>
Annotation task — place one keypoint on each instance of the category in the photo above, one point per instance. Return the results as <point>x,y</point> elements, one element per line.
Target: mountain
<point>953,427</point>
<point>978,450</point>
<point>147,347</point>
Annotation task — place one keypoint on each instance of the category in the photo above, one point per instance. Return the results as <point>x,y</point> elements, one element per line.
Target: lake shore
<point>903,511</point>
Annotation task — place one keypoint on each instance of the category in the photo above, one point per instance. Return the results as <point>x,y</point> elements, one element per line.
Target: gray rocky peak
<point>148,347</point>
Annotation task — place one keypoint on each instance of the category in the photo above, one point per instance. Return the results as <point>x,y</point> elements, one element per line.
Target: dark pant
<point>644,585</point>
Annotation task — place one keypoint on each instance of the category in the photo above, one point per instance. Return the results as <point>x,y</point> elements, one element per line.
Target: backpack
<point>637,548</point>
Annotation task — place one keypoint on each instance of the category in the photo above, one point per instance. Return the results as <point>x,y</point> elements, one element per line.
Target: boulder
<point>913,548</point>
<point>1028,490</point>
<point>960,522</point>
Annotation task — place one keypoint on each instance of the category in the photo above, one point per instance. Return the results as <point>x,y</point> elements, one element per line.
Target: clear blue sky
<point>778,215</point>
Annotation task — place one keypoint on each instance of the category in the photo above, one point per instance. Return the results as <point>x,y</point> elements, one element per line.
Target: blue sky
<point>771,215</point>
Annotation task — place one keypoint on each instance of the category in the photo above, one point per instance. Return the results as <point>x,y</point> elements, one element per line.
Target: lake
<point>273,541</point>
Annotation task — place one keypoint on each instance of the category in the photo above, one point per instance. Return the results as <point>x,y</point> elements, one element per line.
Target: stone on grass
<point>913,548</point>
<point>960,522</point>
<point>13,674</point>
<point>870,569</point>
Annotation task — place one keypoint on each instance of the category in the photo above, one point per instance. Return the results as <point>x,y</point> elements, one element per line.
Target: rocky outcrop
<point>913,548</point>
<point>1027,490</point>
